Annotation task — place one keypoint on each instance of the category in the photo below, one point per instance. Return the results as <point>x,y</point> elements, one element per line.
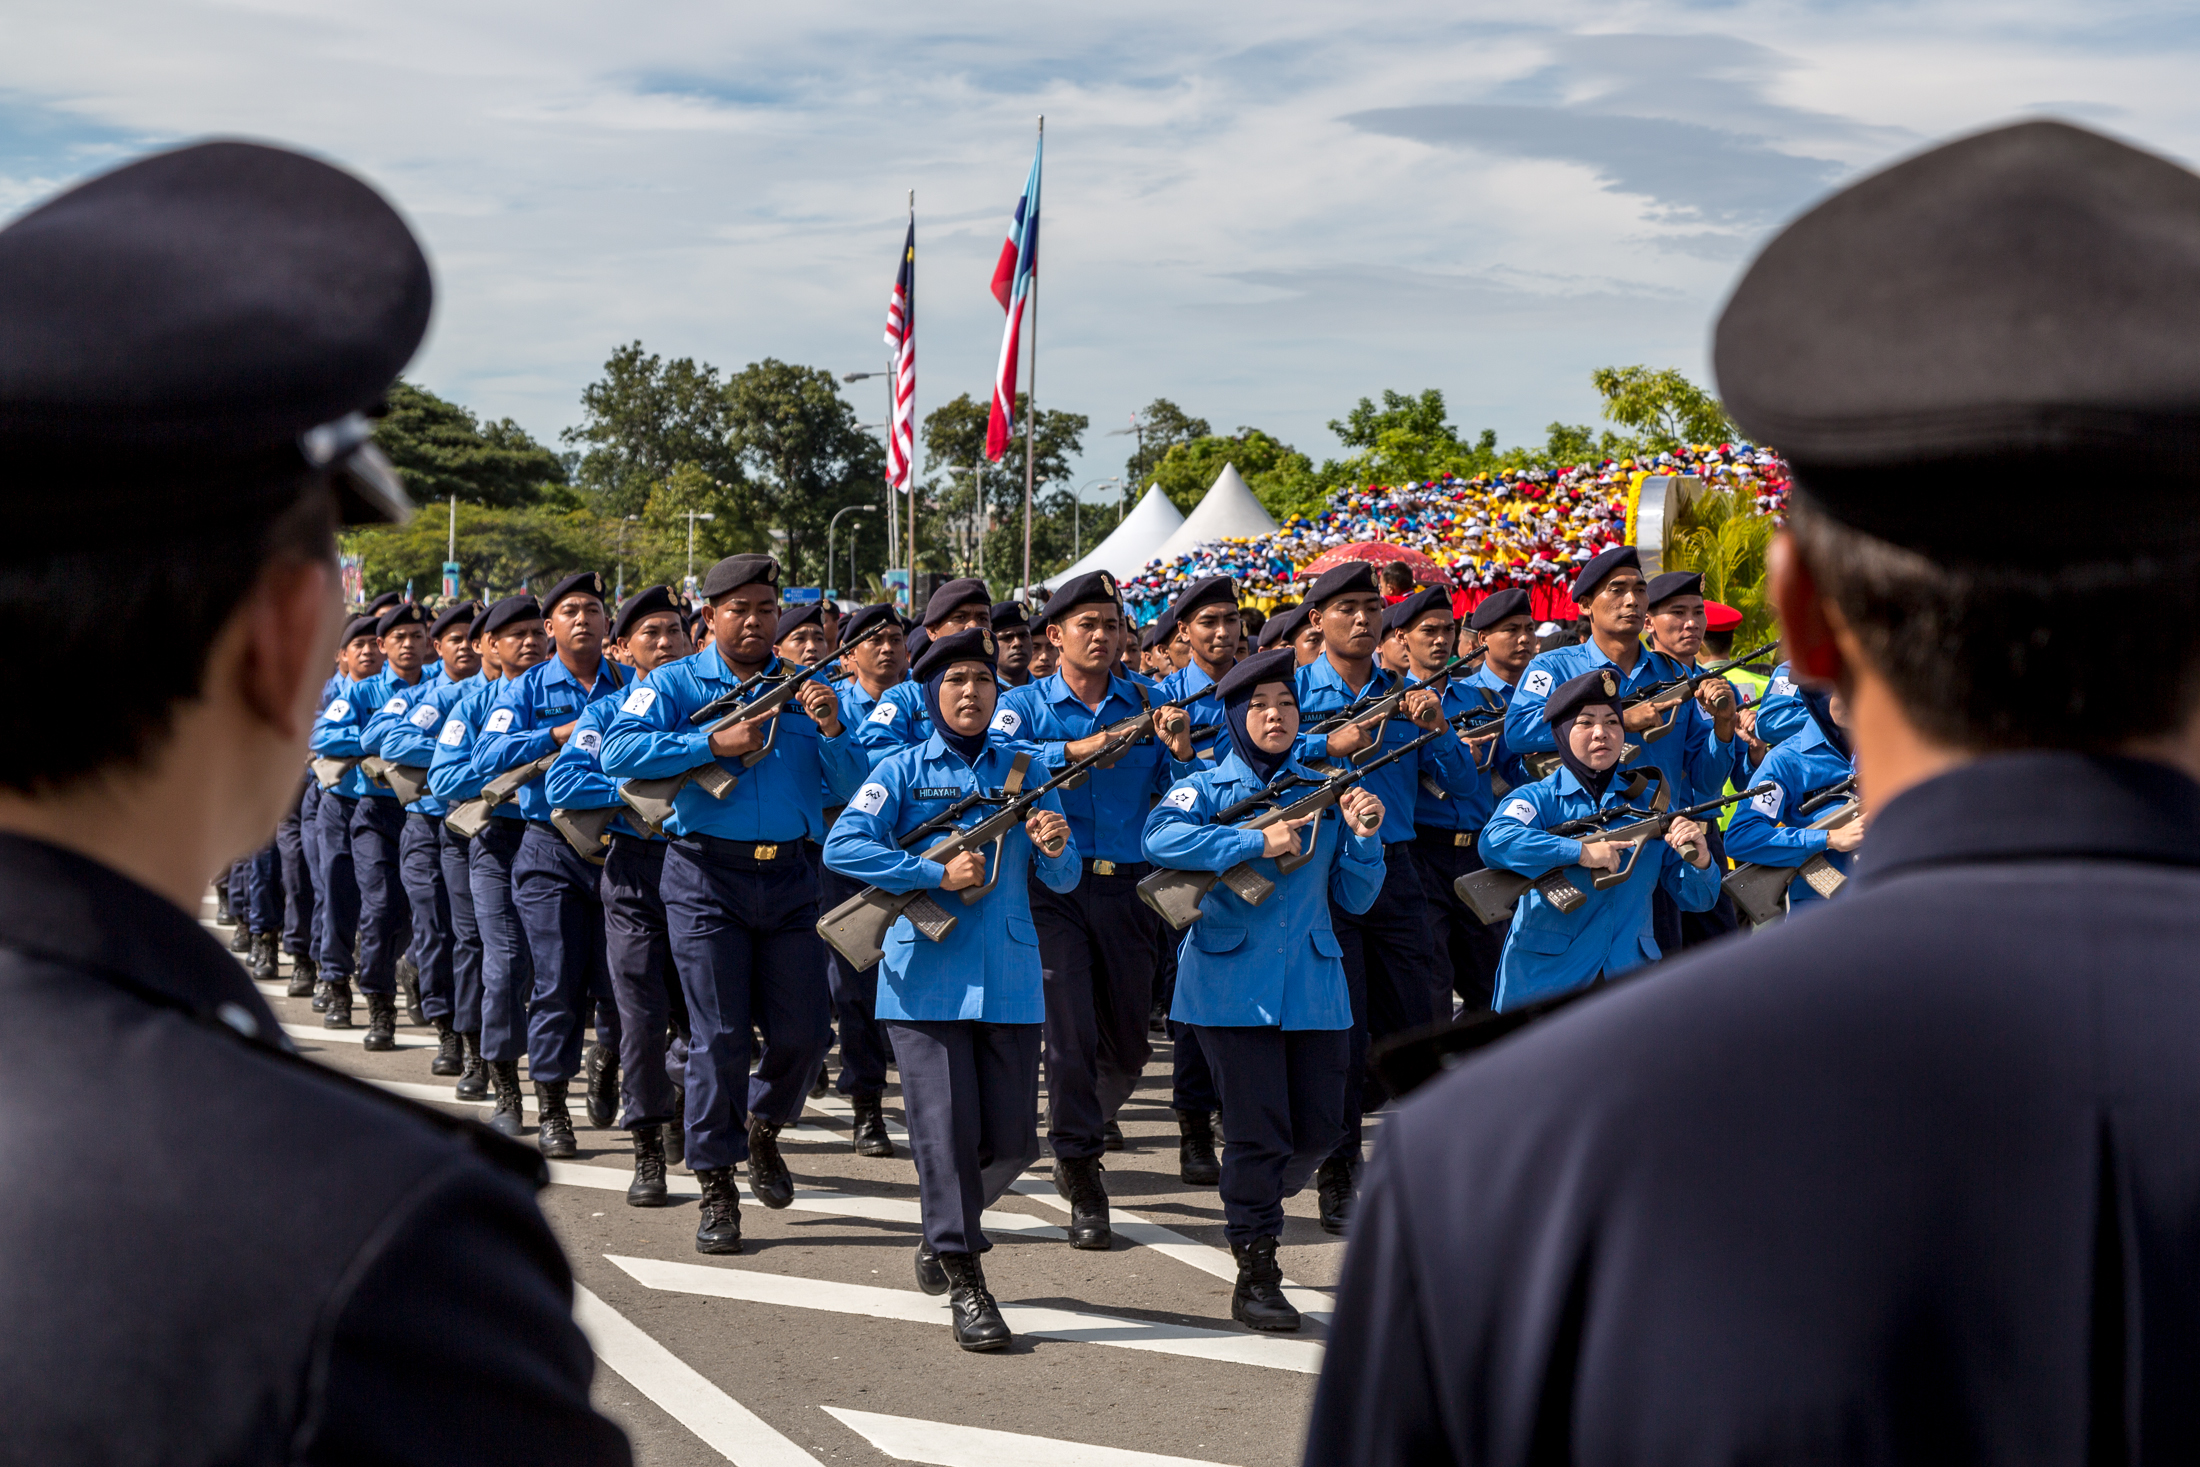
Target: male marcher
<point>188,346</point>
<point>739,885</point>
<point>898,719</point>
<point>336,747</point>
<point>1045,656</point>
<point>1012,640</point>
<point>452,781</point>
<point>1099,944</point>
<point>1947,1120</point>
<point>378,819</point>
<point>531,717</point>
<point>1677,620</point>
<point>291,850</point>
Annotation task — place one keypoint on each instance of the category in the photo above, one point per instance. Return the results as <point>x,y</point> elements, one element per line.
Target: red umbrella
<point>1426,572</point>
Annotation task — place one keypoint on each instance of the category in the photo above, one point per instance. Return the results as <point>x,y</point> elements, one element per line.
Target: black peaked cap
<point>735,571</point>
<point>1600,569</point>
<point>1353,578</point>
<point>1512,601</point>
<point>1599,685</point>
<point>640,605</point>
<point>972,644</point>
<point>1279,665</point>
<point>1674,583</point>
<point>953,594</point>
<point>1400,614</point>
<point>511,609</point>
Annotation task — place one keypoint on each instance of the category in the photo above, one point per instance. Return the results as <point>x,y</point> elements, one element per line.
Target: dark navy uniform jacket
<point>1912,1177</point>
<point>247,1258</point>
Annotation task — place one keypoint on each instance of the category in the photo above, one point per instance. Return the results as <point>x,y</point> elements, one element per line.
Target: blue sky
<point>1261,211</point>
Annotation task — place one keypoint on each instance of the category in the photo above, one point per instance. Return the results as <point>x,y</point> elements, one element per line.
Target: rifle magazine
<point>931,920</point>
<point>1559,890</point>
<point>1819,875</point>
<point>1248,885</point>
<point>713,780</point>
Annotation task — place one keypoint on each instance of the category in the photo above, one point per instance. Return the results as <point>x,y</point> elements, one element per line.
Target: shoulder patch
<point>454,733</point>
<point>395,705</point>
<point>424,717</point>
<point>1520,810</point>
<point>588,741</point>
<point>1183,797</point>
<point>1768,803</point>
<point>639,702</point>
<point>884,713</point>
<point>870,799</point>
<point>1781,688</point>
<point>499,722</point>
<point>337,711</point>
<point>1007,721</point>
<point>1537,684</point>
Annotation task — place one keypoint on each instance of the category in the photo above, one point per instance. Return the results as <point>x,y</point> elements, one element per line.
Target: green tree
<point>949,533</point>
<point>1156,428</point>
<point>1721,534</point>
<point>805,458</point>
<point>441,450</point>
<point>1281,477</point>
<point>642,419</point>
<point>1664,408</point>
<point>1408,438</point>
<point>501,552</point>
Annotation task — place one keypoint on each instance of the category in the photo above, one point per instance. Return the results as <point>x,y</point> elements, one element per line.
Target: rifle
<point>1688,682</point>
<point>651,799</point>
<point>331,771</point>
<point>1760,891</point>
<point>857,927</point>
<point>407,781</point>
<point>1490,893</point>
<point>1383,706</point>
<point>1176,894</point>
<point>469,818</point>
<point>588,832</point>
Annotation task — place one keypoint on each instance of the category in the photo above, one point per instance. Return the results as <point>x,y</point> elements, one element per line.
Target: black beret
<point>357,627</point>
<point>865,618</point>
<point>1601,567</point>
<point>1209,590</point>
<point>1010,616</point>
<point>511,609</point>
<point>640,605</point>
<point>1402,614</point>
<point>187,338</point>
<point>1496,607</point>
<point>1599,685</point>
<point>795,616</point>
<point>1674,583</point>
<point>954,594</point>
<point>1354,577</point>
<point>384,602</point>
<point>1096,588</point>
<point>581,583</point>
<point>698,618</point>
<point>736,571</point>
<point>917,640</point>
<point>409,613</point>
<point>1946,349</point>
<point>1279,665</point>
<point>1037,626</point>
<point>1157,631</point>
<point>1285,626</point>
<point>972,644</point>
<point>459,615</point>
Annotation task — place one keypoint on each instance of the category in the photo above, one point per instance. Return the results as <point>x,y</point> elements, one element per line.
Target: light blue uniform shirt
<point>1190,686</point>
<point>1277,965</point>
<point>1762,830</point>
<point>1106,812</point>
<point>521,719</point>
<point>894,721</point>
<point>781,799</point>
<point>337,732</point>
<point>410,738</point>
<point>451,776</point>
<point>396,699</point>
<point>1782,715</point>
<point>1467,807</point>
<point>1697,764</point>
<point>1548,952</point>
<point>576,780</point>
<point>988,967</point>
<point>1323,690</point>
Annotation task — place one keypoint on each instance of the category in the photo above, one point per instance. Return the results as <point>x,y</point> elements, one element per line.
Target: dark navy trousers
<point>1192,1081</point>
<point>385,917</point>
<point>458,891</point>
<point>263,891</point>
<point>653,1013</point>
<point>1098,948</point>
<point>745,944</point>
<point>292,837</point>
<point>1283,1104</point>
<point>1463,949</point>
<point>507,969</point>
<point>1386,967</point>
<point>339,922</point>
<point>420,866</point>
<point>555,891</point>
<point>863,1049</point>
<point>970,1091</point>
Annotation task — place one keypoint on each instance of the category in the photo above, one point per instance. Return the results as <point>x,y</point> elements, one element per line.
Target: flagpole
<point>911,560</point>
<point>1031,405</point>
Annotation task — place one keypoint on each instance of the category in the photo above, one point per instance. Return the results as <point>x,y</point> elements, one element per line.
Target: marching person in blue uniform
<point>378,819</point>
<point>1386,957</point>
<point>653,1020</point>
<point>532,715</point>
<point>293,854</point>
<point>513,641</point>
<point>1674,625</point>
<point>740,889</point>
<point>1767,830</point>
<point>898,719</point>
<point>336,736</point>
<point>880,665</point>
<point>965,1012</point>
<point>250,1259</point>
<point>1098,943</point>
<point>1782,715</point>
<point>1264,987</point>
<point>1549,952</point>
<point>1012,643</point>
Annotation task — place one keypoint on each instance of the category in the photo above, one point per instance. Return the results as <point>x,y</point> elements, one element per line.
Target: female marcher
<point>964,1013</point>
<point>1264,987</point>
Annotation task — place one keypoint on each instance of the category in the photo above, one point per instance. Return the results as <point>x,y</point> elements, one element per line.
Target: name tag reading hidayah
<point>941,792</point>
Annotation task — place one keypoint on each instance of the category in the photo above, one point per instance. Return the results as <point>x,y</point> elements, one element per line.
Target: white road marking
<point>909,1440</point>
<point>441,1095</point>
<point>807,1199</point>
<point>355,1035</point>
<point>724,1424</point>
<point>794,1292</point>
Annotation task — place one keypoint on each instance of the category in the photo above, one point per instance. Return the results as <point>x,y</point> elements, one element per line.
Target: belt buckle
<point>1462,838</point>
<point>767,853</point>
<point>1103,868</point>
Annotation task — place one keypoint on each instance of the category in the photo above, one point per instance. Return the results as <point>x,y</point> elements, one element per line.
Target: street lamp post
<point>1077,517</point>
<point>893,520</point>
<point>834,526</point>
<point>618,588</point>
<point>692,516</point>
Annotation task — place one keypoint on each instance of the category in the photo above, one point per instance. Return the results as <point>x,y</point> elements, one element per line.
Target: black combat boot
<point>870,1136</point>
<point>676,1128</point>
<point>553,1127</point>
<point>321,987</point>
<point>1258,1301</point>
<point>1333,1188</point>
<point>930,1276</point>
<point>381,1022</point>
<point>408,985</point>
<point>975,1318</point>
<point>648,1187</point>
<point>1111,1136</point>
<point>337,1012</point>
<point>768,1176</point>
<point>473,1077</point>
<point>601,1065</point>
<point>449,1059</point>
<point>221,904</point>
<point>718,1221</point>
<point>508,1117</point>
<point>1077,1179</point>
<point>1195,1148</point>
<point>304,977</point>
<point>240,941</point>
<point>263,957</point>
<point>823,1084</point>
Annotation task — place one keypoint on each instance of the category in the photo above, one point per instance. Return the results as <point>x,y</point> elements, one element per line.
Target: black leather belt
<point>1445,840</point>
<point>744,852</point>
<point>1134,869</point>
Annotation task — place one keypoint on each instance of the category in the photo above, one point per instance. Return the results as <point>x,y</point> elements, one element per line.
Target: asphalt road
<point>815,1346</point>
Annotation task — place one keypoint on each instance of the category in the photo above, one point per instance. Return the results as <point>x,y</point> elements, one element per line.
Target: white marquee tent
<point>1227,511</point>
<point>1132,543</point>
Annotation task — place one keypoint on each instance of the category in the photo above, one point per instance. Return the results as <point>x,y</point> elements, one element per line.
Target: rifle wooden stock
<point>1760,891</point>
<point>470,817</point>
<point>407,781</point>
<point>331,771</point>
<point>588,832</point>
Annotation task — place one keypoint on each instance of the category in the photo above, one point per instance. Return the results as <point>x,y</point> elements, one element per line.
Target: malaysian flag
<point>1012,278</point>
<point>901,335</point>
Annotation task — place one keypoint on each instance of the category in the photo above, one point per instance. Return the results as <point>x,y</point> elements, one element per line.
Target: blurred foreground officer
<point>281,1265</point>
<point>964,1012</point>
<point>1264,987</point>
<point>1909,1178</point>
